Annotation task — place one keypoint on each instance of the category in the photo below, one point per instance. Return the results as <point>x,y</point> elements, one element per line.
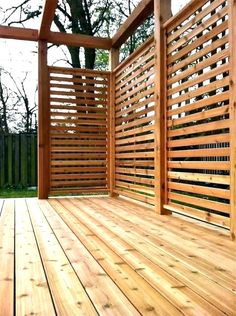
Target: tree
<point>90,17</point>
<point>16,112</point>
<point>72,16</point>
<point>8,103</point>
<point>27,120</point>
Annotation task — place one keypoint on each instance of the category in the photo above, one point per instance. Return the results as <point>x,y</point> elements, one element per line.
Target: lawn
<point>17,193</point>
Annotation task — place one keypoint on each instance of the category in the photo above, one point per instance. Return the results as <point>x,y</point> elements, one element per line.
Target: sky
<point>19,57</point>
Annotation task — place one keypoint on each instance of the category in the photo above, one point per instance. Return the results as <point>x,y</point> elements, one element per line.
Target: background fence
<point>18,160</point>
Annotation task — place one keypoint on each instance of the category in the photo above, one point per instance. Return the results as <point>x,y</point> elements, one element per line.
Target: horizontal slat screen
<point>198,113</point>
<point>78,130</point>
<point>134,120</point>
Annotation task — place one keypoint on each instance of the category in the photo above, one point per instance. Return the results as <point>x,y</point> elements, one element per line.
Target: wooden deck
<point>107,256</point>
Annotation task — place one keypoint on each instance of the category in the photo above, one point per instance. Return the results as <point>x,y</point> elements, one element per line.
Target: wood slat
<point>66,288</point>
<point>7,258</point>
<point>32,292</point>
<point>85,149</point>
<point>199,177</point>
<point>109,299</point>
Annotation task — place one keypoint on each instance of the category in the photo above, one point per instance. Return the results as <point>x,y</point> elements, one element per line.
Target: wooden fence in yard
<point>18,160</point>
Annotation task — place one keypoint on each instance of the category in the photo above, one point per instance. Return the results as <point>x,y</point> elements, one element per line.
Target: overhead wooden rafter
<point>138,16</point>
<point>18,33</point>
<point>81,40</point>
<point>144,9</point>
<point>47,18</point>
<point>58,38</point>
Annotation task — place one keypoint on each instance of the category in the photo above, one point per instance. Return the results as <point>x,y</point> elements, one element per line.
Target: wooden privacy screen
<point>134,125</point>
<point>78,130</point>
<point>198,112</point>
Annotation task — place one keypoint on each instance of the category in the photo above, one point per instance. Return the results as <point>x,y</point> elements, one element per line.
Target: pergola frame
<point>162,13</point>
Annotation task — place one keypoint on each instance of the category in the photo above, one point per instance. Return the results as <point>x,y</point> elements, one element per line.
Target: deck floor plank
<point>219,266</point>
<point>105,295</point>
<point>217,238</point>
<point>111,257</point>
<point>7,259</point>
<point>32,292</point>
<point>217,272</point>
<point>139,292</point>
<point>140,259</point>
<point>159,253</point>
<point>1,205</point>
<point>68,293</point>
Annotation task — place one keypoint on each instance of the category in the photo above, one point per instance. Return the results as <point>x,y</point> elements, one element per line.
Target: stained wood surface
<point>111,256</point>
<point>137,17</point>
<point>134,125</point>
<point>232,44</point>
<point>78,130</point>
<point>47,18</point>
<point>197,111</point>
<point>43,122</point>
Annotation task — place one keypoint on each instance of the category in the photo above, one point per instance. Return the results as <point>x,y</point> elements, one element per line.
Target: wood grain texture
<point>43,122</point>
<point>111,256</point>
<point>7,258</point>
<point>198,112</point>
<point>137,17</point>
<point>47,18</point>
<point>134,125</point>
<point>78,130</point>
<point>162,12</point>
<point>232,45</point>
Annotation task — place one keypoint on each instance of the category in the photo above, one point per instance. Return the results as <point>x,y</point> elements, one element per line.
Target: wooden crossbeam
<point>47,18</point>
<point>18,33</point>
<point>137,17</point>
<point>81,40</point>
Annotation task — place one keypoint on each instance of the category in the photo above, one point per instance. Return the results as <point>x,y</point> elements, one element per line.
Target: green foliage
<point>11,192</point>
<point>102,60</point>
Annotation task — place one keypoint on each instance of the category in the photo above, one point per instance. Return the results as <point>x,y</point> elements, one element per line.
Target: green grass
<point>17,193</point>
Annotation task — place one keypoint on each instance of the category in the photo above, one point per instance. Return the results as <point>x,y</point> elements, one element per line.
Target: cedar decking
<point>107,256</point>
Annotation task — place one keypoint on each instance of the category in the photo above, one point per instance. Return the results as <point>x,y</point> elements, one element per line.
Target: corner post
<point>113,62</point>
<point>162,12</point>
<point>43,122</point>
<point>232,87</point>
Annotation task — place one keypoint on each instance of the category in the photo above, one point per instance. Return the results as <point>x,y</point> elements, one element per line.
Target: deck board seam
<point>42,262</point>
<point>108,246</point>
<point>123,258</point>
<point>173,230</point>
<point>95,258</point>
<point>150,234</point>
<point>100,223</point>
<point>69,260</point>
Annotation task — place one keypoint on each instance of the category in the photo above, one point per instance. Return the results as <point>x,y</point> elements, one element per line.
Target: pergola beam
<point>58,38</point>
<point>79,40</point>
<point>144,9</point>
<point>47,18</point>
<point>18,33</point>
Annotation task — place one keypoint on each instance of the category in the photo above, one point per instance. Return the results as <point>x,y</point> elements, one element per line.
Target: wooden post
<point>114,61</point>
<point>43,122</point>
<point>232,46</point>
<point>162,11</point>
